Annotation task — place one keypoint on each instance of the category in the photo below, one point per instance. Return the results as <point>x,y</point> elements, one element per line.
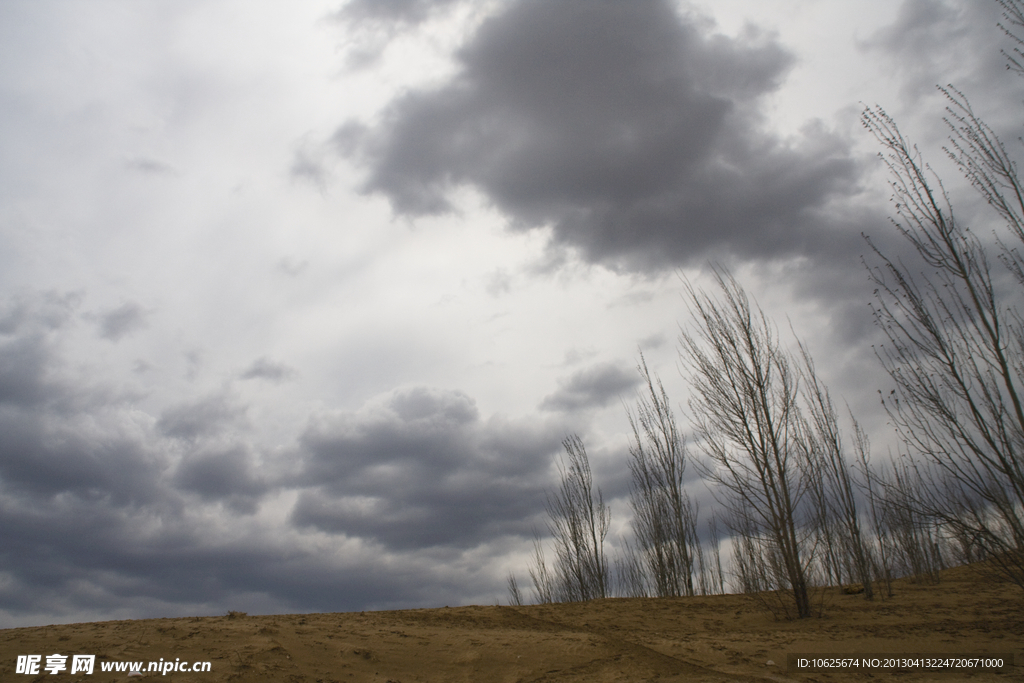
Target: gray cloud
<point>203,417</point>
<point>223,475</point>
<point>104,517</point>
<point>28,323</point>
<point>37,457</point>
<point>308,170</point>
<point>264,368</point>
<point>935,42</point>
<point>22,367</point>
<point>916,26</point>
<point>72,558</point>
<point>421,469</point>
<point>194,362</point>
<point>591,387</point>
<point>41,311</point>
<point>82,483</point>
<point>291,267</point>
<point>630,129</point>
<point>398,11</point>
<point>373,24</point>
<point>59,438</point>
<point>150,166</point>
<point>106,512</point>
<point>122,321</point>
<point>309,166</point>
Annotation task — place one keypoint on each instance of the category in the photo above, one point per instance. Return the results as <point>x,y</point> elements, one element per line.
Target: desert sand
<point>715,639</point>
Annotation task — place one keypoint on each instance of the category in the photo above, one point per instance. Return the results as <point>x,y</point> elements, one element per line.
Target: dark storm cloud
<point>107,512</point>
<point>422,469</point>
<point>630,129</point>
<point>72,460</point>
<point>46,459</point>
<point>93,525</point>
<point>122,321</point>
<point>77,558</point>
<point>49,445</point>
<point>22,367</point>
<point>80,559</point>
<point>224,475</point>
<point>28,324</point>
<point>592,387</point>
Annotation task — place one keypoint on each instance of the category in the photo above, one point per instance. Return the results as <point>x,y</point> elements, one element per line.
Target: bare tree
<point>579,523</point>
<point>757,562</point>
<point>746,414</point>
<point>632,573</point>
<point>718,576</point>
<point>955,347</point>
<point>543,580</point>
<point>825,527</point>
<point>515,597</point>
<point>1013,14</point>
<point>914,538</point>
<point>882,563</point>
<point>664,517</point>
<point>837,500</point>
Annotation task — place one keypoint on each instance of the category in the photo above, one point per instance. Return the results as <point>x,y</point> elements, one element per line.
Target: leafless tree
<point>836,500</point>
<point>746,415</point>
<point>910,532</point>
<point>749,562</point>
<point>543,580</point>
<point>632,574</point>
<point>578,521</point>
<point>1013,14</point>
<point>515,597</point>
<point>758,563</point>
<point>825,527</point>
<point>955,348</point>
<point>664,517</point>
<point>718,576</point>
<point>881,562</point>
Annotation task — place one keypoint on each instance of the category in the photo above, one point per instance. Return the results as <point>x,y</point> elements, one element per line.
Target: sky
<point>298,301</point>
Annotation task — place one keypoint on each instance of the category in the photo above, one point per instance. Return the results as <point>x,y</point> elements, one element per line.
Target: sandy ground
<point>714,639</point>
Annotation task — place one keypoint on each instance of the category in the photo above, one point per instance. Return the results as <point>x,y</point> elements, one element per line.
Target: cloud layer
<point>106,509</point>
<point>230,379</point>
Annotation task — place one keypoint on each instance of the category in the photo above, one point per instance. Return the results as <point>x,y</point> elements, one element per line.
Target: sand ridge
<point>713,639</point>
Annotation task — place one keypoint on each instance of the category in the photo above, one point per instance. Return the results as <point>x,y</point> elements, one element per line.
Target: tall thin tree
<point>828,459</point>
<point>578,520</point>
<point>664,517</point>
<point>955,347</point>
<point>746,414</point>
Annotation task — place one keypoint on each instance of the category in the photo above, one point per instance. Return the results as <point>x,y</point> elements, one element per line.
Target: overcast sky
<point>298,300</point>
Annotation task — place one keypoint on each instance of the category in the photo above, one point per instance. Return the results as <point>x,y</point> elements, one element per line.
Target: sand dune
<point>716,639</point>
